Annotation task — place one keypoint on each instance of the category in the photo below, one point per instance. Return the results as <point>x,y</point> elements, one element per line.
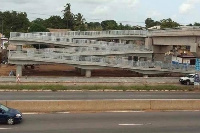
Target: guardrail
<point>79,33</point>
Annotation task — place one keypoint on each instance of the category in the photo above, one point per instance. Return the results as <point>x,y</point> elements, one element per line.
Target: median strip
<point>65,106</point>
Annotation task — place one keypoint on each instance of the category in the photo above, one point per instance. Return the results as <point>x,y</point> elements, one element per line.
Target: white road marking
<point>31,113</point>
<point>126,111</point>
<point>131,124</point>
<point>63,112</point>
<point>5,128</point>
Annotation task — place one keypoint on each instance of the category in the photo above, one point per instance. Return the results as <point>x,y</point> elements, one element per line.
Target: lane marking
<point>125,111</point>
<point>31,113</point>
<point>45,113</point>
<point>63,112</point>
<point>131,124</point>
<point>5,128</point>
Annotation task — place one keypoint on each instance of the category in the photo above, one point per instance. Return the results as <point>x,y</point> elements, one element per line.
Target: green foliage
<point>68,17</point>
<point>168,23</point>
<point>79,22</point>
<point>37,28</point>
<point>14,22</point>
<point>150,23</point>
<point>109,25</point>
<point>94,26</point>
<point>54,87</point>
<point>55,22</point>
<point>196,24</point>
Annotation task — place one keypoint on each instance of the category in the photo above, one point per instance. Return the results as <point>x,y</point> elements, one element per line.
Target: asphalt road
<point>96,95</point>
<point>137,122</point>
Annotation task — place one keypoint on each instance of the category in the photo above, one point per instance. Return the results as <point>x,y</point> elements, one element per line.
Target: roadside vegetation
<point>54,87</point>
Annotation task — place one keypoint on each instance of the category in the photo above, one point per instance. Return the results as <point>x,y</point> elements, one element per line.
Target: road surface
<point>96,95</point>
<point>132,122</point>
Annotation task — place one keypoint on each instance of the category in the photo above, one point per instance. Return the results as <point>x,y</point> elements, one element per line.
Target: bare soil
<point>65,70</point>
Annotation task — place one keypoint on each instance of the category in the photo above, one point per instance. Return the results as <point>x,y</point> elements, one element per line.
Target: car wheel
<point>187,82</point>
<point>10,121</point>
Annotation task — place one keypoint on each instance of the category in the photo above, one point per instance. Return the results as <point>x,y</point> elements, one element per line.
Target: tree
<point>109,25</point>
<point>68,17</point>
<point>54,22</point>
<point>94,26</point>
<point>39,21</point>
<point>14,22</point>
<point>196,24</point>
<point>79,22</point>
<point>150,23</point>
<point>168,23</point>
<point>37,28</point>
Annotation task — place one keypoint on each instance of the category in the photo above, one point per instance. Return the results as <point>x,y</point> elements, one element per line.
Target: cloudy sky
<point>132,12</point>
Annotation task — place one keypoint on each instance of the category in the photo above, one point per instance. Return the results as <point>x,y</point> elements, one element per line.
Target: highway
<point>86,95</point>
<point>129,122</point>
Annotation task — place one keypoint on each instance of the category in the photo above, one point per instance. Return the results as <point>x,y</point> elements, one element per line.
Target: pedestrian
<point>17,79</point>
<point>11,73</point>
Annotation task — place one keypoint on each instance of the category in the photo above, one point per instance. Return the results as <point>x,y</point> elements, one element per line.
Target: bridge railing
<point>120,62</point>
<point>105,49</point>
<point>79,33</point>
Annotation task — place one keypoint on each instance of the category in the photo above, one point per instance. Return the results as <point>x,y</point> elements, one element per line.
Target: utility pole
<point>2,26</point>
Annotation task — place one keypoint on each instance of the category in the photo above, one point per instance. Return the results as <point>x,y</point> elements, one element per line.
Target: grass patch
<point>97,87</point>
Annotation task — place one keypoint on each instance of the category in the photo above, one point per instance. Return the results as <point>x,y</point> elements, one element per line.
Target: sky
<point>133,12</point>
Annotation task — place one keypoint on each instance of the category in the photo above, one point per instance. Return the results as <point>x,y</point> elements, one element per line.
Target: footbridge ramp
<point>88,54</point>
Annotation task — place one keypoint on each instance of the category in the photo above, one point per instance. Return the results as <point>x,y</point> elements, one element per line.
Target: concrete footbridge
<point>86,51</point>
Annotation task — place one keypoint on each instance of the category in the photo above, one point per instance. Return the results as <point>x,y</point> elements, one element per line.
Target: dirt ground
<point>64,70</point>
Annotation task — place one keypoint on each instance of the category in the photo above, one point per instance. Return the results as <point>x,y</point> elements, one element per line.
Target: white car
<point>188,79</point>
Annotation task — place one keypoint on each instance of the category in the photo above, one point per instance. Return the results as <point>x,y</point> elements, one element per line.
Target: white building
<point>3,41</point>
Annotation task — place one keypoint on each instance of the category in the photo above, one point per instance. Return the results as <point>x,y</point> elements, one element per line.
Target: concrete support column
<point>19,47</point>
<point>19,67</point>
<point>82,72</point>
<point>88,73</point>
<point>148,43</point>
<point>19,70</point>
<point>159,52</point>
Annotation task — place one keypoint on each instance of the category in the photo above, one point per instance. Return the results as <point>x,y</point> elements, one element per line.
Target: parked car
<point>188,79</point>
<point>9,115</point>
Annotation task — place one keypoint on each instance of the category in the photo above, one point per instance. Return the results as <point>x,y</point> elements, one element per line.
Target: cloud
<point>101,10</point>
<point>154,14</point>
<point>188,5</point>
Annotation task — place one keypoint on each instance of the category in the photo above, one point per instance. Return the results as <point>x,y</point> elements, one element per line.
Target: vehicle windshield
<point>190,76</point>
<point>4,108</point>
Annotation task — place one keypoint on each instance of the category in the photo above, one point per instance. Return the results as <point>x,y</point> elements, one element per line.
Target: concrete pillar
<point>88,73</point>
<point>82,72</point>
<point>148,43</point>
<point>19,70</point>
<point>159,52</point>
<point>19,47</point>
<point>19,67</point>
